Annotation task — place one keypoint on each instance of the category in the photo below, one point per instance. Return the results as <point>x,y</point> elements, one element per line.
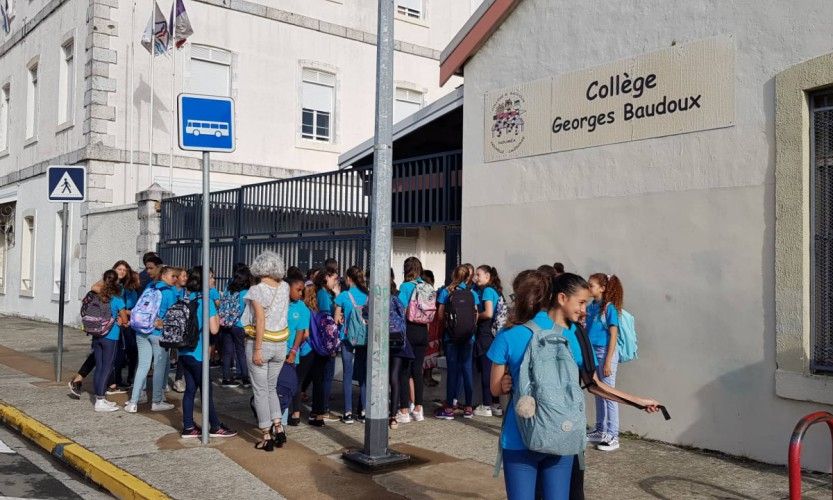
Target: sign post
<point>376,453</point>
<point>66,184</point>
<point>206,123</point>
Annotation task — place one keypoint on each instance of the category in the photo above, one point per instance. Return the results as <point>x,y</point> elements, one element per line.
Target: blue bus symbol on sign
<point>206,123</point>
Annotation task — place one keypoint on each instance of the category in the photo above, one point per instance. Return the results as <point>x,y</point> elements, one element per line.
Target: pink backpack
<point>423,304</point>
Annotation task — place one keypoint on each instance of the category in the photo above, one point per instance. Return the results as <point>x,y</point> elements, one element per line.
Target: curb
<point>117,481</point>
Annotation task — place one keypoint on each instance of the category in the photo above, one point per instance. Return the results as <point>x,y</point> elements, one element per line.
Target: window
<point>67,85</point>
<point>406,103</point>
<point>210,71</point>
<point>27,257</point>
<point>821,164</point>
<point>32,103</point>
<point>317,104</point>
<point>5,95</point>
<point>6,239</point>
<point>409,8</point>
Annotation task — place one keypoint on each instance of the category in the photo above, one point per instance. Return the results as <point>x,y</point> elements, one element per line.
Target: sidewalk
<point>451,459</point>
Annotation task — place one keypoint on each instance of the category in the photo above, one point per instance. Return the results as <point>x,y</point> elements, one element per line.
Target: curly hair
<point>614,293</point>
<point>269,264</point>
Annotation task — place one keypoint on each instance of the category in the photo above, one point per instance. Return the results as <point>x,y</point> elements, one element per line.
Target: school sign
<point>673,91</point>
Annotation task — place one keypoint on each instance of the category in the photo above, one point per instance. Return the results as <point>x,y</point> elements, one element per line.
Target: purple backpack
<point>324,334</point>
<point>96,316</point>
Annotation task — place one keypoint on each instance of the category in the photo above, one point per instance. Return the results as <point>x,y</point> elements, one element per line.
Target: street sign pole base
<point>368,463</point>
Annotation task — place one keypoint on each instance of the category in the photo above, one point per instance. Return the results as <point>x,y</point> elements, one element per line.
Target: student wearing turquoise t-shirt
<point>417,337</point>
<point>555,304</point>
<point>352,357</point>
<point>300,352</point>
<point>104,348</point>
<point>326,289</point>
<point>490,291</point>
<point>234,338</point>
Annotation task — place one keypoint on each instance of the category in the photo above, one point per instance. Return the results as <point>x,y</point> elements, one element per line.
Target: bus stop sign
<point>206,123</point>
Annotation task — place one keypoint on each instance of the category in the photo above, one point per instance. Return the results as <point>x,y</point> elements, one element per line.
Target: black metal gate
<point>308,219</point>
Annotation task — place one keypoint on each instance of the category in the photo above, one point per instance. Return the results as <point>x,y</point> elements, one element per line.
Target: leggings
<point>398,370</point>
<point>303,369</point>
<point>192,370</point>
<point>529,475</point>
<point>89,363</point>
<point>104,350</point>
<point>485,365</point>
<point>234,351</point>
<point>458,357</point>
<point>127,354</point>
<point>318,369</point>
<point>418,337</point>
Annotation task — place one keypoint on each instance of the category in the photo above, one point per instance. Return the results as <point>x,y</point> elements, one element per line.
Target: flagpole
<point>173,98</point>
<point>132,83</point>
<point>150,121</point>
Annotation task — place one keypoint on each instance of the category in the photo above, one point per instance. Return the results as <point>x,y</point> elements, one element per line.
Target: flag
<point>156,34</point>
<point>5,16</point>
<point>182,30</point>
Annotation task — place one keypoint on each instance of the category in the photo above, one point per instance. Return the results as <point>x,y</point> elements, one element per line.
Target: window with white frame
<point>210,71</point>
<point>32,102</point>
<point>5,100</point>
<point>67,82</point>
<point>317,105</point>
<point>410,8</point>
<point>7,212</point>
<point>406,102</point>
<point>27,256</point>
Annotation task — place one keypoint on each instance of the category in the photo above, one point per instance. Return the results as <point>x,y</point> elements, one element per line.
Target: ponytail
<point>356,275</point>
<point>494,279</point>
<point>533,292</point>
<point>614,293</point>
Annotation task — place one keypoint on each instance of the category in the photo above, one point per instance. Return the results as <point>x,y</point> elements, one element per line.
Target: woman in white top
<point>265,323</point>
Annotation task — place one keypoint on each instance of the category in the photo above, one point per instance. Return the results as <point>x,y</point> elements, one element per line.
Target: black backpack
<point>460,315</point>
<point>180,326</point>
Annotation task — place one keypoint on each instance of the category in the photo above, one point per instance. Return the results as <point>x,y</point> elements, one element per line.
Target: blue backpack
<point>146,311</point>
<point>626,342</point>
<point>356,327</point>
<point>323,334</point>
<point>230,310</point>
<point>547,396</point>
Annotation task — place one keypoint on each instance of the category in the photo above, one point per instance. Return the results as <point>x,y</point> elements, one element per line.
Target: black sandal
<point>265,445</point>
<point>279,438</point>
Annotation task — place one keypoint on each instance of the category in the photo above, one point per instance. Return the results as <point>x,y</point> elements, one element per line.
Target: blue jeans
<point>607,412</point>
<point>458,358</point>
<point>150,350</point>
<point>193,380</point>
<point>234,351</point>
<point>527,472</point>
<point>348,362</point>
<point>105,352</point>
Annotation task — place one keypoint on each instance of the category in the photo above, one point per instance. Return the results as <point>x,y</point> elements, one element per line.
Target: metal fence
<point>311,218</point>
<point>822,222</point>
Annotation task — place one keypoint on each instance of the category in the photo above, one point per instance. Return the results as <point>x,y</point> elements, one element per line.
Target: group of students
<point>275,321</point>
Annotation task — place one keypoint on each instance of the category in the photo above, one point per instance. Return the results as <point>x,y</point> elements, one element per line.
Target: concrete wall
<point>686,221</point>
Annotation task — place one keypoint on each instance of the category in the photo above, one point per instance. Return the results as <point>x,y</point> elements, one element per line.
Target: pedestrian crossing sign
<point>67,183</point>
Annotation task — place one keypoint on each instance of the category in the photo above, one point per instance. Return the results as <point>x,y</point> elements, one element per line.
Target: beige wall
<point>687,221</point>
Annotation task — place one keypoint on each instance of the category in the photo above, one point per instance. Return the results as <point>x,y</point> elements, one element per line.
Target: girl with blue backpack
<point>603,328</point>
<point>553,307</point>
<point>458,304</point>
<point>232,305</point>
<point>349,306</point>
<point>327,288</point>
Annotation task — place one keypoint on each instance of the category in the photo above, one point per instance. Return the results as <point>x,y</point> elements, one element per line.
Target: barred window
<point>821,164</point>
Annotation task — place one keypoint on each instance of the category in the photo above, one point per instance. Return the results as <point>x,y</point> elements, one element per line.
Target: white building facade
<point>714,215</point>
<point>75,88</point>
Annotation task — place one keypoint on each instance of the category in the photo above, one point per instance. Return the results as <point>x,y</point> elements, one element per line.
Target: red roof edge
<point>479,33</point>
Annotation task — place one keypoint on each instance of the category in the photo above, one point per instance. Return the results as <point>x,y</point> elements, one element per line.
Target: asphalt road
<point>26,471</point>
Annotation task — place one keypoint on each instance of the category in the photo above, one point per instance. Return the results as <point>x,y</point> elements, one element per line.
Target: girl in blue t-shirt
<point>458,355</point>
<point>552,304</point>
<point>603,329</point>
<point>300,353</point>
<point>352,357</point>
<point>490,291</point>
<point>104,348</point>
<point>326,289</point>
<point>234,338</point>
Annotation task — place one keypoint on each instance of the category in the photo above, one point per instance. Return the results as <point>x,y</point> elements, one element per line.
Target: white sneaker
<point>483,411</point>
<point>111,403</point>
<point>161,406</point>
<point>497,410</point>
<point>179,385</point>
<point>131,407</point>
<point>102,406</point>
<point>595,437</point>
<point>610,443</point>
<point>418,415</point>
<point>411,407</point>
<point>403,418</point>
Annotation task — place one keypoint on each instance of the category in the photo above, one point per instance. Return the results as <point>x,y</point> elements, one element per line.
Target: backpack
<point>144,313</point>
<point>396,323</point>
<point>500,316</point>
<point>460,315</point>
<point>549,403</point>
<point>96,316</point>
<point>323,335</point>
<point>422,306</point>
<point>356,328</point>
<point>230,310</point>
<point>180,328</point>
<point>626,341</point>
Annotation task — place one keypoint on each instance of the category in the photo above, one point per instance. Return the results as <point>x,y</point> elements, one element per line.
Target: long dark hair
<point>494,279</point>
<point>321,280</point>
<point>393,289</point>
<point>109,285</point>
<point>460,276</point>
<point>533,293</point>
<point>356,275</point>
<point>131,278</point>
<point>194,283</point>
<point>412,268</point>
<point>242,280</point>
